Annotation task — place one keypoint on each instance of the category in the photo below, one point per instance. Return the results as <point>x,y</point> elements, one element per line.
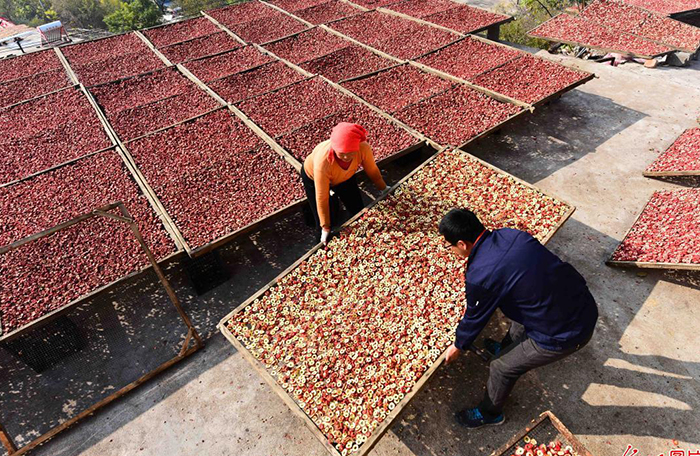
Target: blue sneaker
<point>472,419</point>
<point>494,348</point>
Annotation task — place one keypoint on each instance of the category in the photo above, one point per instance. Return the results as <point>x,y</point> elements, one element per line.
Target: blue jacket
<point>511,270</point>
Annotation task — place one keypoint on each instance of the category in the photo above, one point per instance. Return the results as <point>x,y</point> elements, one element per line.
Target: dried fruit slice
<point>469,57</point>
<point>326,12</point>
<point>456,116</point>
<point>200,47</point>
<point>32,86</point>
<point>383,327</point>
<point>180,31</point>
<point>682,157</point>
<point>529,79</point>
<point>254,82</point>
<point>218,66</point>
<point>41,276</point>
<point>466,19</point>
<point>567,28</point>
<point>666,231</point>
<point>346,63</point>
<point>293,106</point>
<point>398,87</point>
<point>35,62</point>
<point>307,45</point>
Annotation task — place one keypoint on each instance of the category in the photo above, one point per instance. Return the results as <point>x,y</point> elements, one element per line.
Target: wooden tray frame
<point>420,384</point>
<point>598,48</point>
<point>647,264</point>
<point>545,416</point>
<point>185,349</point>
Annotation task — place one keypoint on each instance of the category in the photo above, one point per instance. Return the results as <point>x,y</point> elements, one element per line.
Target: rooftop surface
<point>638,381</point>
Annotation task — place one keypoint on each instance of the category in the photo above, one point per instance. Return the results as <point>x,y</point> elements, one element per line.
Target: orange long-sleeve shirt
<point>326,174</point>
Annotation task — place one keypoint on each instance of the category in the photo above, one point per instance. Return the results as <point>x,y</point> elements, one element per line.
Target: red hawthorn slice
<point>199,142</point>
<point>218,66</point>
<point>307,45</point>
<point>200,47</point>
<point>347,63</point>
<point>293,106</point>
<point>392,320</point>
<point>130,123</point>
<point>666,7</point>
<point>682,156</point>
<point>469,57</point>
<point>42,276</point>
<point>117,67</point>
<point>44,113</point>
<point>32,86</point>
<point>22,157</point>
<point>667,231</point>
<point>385,137</point>
<point>143,89</point>
<point>421,8</point>
<point>180,31</point>
<point>296,5</point>
<point>32,63</point>
<point>644,23</point>
<point>565,27</point>
<point>415,40</point>
<point>241,12</point>
<point>230,193</point>
<point>371,27</point>
<point>398,87</point>
<point>276,25</point>
<point>529,79</point>
<point>457,115</point>
<point>104,48</point>
<point>254,82</point>
<point>465,19</point>
<point>326,12</point>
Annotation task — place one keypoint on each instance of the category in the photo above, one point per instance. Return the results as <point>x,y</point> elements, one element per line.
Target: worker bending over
<point>332,166</point>
<point>552,312</point>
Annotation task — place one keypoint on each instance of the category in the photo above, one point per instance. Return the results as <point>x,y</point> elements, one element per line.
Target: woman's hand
<point>325,236</point>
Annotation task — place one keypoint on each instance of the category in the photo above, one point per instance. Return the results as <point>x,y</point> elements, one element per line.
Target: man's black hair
<point>460,225</point>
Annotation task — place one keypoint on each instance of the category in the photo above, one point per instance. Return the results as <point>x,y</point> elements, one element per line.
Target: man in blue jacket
<point>552,312</point>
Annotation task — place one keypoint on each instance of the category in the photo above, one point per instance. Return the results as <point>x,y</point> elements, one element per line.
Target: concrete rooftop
<point>637,382</point>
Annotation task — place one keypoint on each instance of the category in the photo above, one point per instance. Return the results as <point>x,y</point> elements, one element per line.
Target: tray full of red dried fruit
<point>682,158</point>
<point>352,331</point>
<point>665,234</point>
<point>579,31</point>
<point>545,436</point>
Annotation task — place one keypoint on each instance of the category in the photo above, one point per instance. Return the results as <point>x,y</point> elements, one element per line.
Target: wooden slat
<point>361,44</point>
<point>224,28</point>
<point>66,66</point>
<point>140,180</point>
<point>670,173</point>
<point>277,8</point>
<point>188,74</point>
<point>150,45</point>
<point>388,421</point>
<point>495,95</point>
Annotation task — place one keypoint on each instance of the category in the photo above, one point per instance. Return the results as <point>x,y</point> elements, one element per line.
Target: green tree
<point>133,15</point>
<point>193,7</point>
<point>80,13</point>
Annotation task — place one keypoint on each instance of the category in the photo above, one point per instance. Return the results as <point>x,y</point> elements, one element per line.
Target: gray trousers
<point>519,357</point>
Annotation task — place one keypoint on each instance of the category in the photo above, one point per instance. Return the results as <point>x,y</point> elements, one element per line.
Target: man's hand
<point>452,354</point>
<point>325,236</point>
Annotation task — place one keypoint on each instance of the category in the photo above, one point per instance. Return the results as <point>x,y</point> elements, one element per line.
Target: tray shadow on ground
<point>427,426</point>
<point>555,135</point>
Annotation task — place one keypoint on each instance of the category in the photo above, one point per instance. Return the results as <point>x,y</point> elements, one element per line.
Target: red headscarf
<point>345,138</point>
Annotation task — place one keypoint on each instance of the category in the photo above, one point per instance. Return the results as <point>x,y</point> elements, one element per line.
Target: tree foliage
<point>193,7</point>
<point>133,15</point>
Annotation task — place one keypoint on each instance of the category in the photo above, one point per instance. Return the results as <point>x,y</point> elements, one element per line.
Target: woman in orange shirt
<point>332,166</point>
